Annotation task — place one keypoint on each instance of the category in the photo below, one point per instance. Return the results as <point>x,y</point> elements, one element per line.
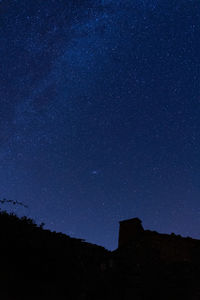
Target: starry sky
<point>100,114</point>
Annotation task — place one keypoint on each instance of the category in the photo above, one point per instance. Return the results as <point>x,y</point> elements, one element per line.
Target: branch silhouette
<point>13,202</point>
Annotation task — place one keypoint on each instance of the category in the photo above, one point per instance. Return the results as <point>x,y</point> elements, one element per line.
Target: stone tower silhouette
<point>129,230</point>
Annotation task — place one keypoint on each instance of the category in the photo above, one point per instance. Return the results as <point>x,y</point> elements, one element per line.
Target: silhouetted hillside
<point>40,264</point>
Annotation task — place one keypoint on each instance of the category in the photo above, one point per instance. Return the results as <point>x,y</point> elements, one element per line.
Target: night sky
<point>100,114</point>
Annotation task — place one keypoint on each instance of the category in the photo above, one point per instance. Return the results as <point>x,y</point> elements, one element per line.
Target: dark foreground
<point>40,264</point>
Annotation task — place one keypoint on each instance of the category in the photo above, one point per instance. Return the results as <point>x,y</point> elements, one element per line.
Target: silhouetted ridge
<point>39,264</point>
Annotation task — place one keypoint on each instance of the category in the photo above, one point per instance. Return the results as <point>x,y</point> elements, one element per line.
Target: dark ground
<point>40,264</point>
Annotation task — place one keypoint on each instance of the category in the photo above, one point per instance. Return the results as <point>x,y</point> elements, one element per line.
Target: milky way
<point>99,115</point>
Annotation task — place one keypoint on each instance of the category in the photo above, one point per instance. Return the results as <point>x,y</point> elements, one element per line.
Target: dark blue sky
<point>100,114</point>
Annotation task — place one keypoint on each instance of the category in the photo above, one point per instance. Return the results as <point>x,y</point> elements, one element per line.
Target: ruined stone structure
<point>165,247</point>
<point>129,230</point>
